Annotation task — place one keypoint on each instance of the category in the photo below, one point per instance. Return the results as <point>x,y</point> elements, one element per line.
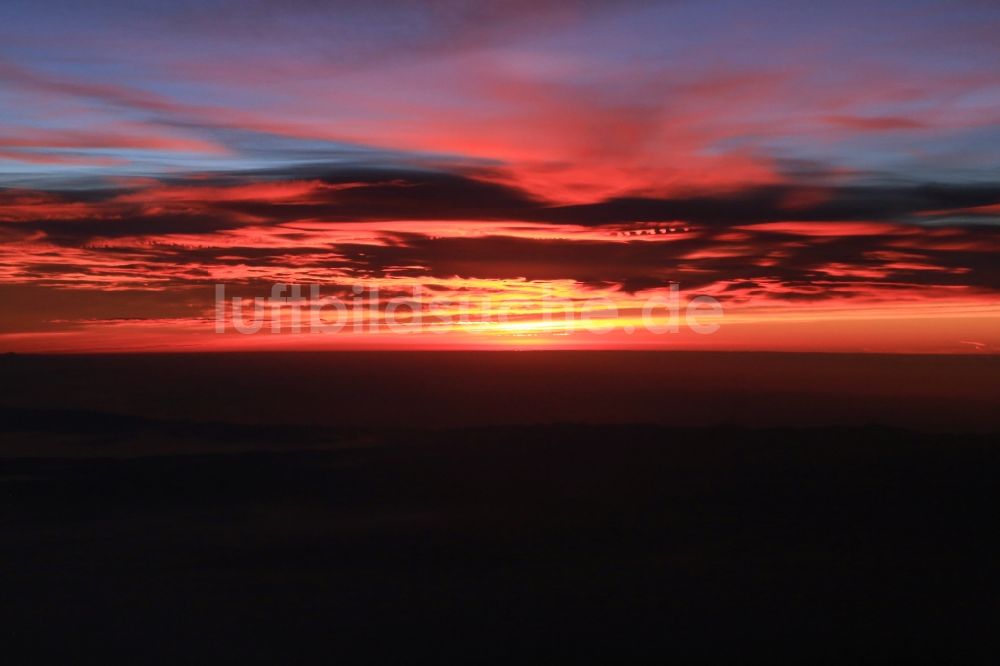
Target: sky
<point>828,173</point>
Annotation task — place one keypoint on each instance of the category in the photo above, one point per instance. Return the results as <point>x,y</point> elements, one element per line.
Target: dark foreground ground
<point>461,389</point>
<point>123,539</point>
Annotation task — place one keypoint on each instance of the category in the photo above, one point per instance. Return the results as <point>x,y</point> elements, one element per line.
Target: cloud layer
<point>802,165</point>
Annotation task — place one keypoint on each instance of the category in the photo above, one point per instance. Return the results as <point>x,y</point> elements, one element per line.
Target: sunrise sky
<point>829,172</point>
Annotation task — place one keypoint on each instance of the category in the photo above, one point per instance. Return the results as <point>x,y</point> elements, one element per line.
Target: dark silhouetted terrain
<point>143,538</point>
<point>459,389</point>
